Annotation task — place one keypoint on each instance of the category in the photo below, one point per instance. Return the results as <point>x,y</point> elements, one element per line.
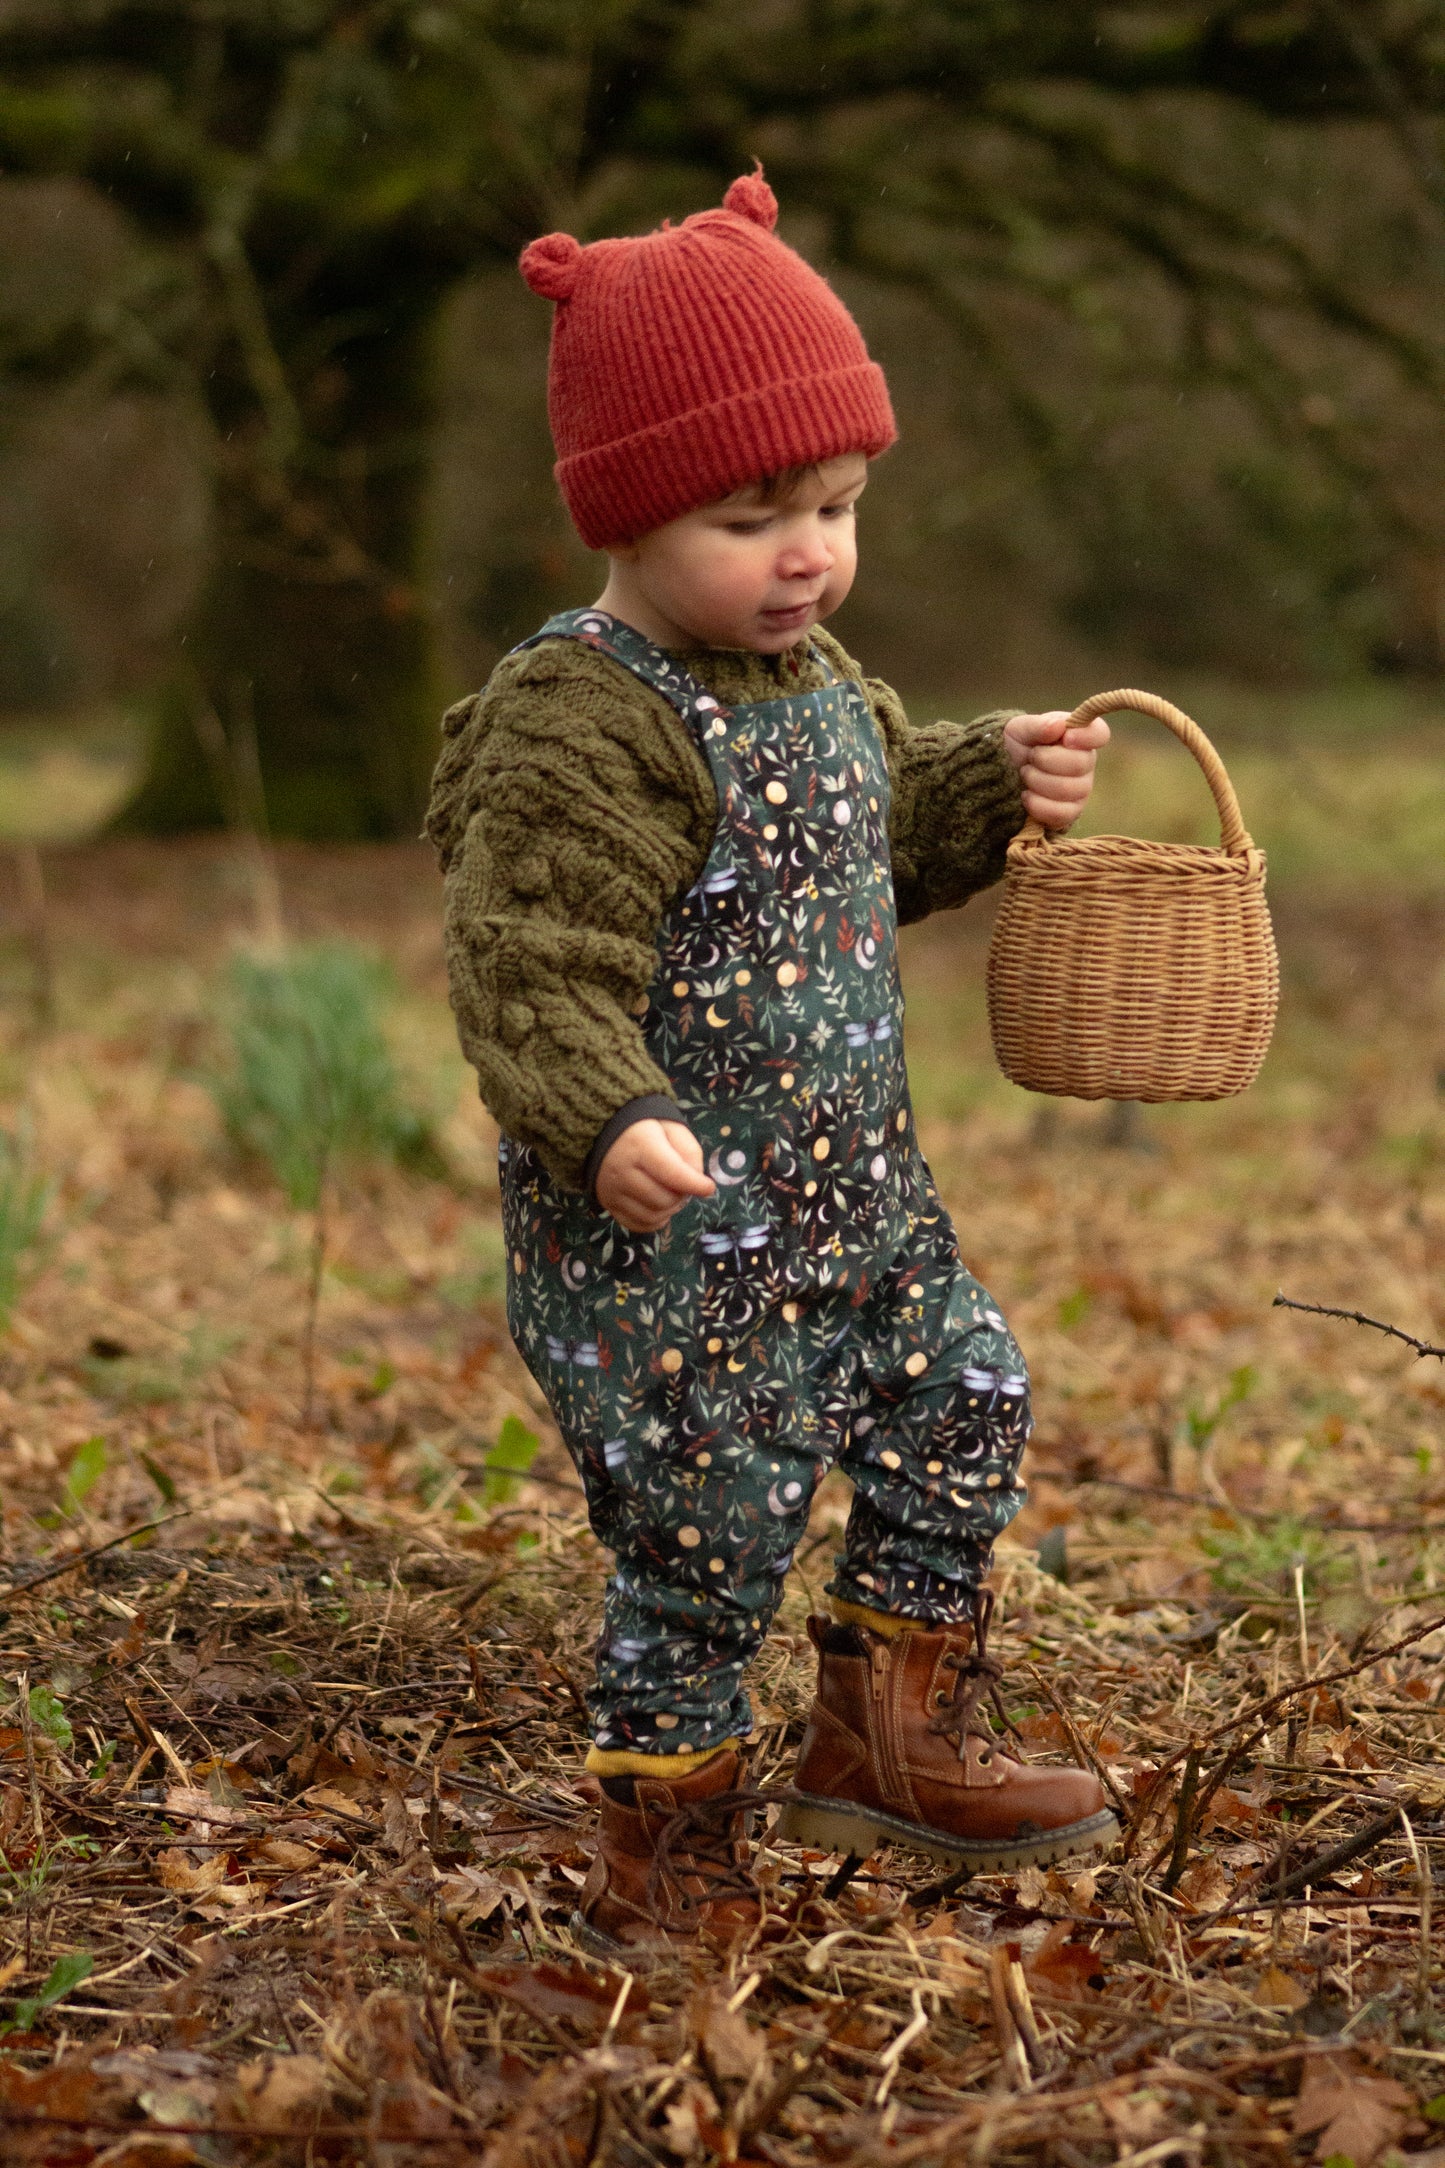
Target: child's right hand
<point>652,1169</point>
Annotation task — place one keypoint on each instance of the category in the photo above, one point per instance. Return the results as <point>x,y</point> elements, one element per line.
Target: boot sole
<point>839,1826</point>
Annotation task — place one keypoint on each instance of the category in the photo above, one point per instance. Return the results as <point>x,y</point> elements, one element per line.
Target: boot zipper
<point>878,1661</point>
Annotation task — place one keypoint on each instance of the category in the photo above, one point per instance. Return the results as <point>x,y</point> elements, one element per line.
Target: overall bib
<point>814,1311</point>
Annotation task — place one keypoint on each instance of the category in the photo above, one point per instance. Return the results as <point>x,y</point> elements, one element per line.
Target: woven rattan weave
<point>1123,969</point>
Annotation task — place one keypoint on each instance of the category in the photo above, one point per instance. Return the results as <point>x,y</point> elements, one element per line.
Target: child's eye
<point>747,526</point>
<point>839,511</point>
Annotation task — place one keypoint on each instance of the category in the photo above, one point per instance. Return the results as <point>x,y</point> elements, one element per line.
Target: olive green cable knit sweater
<point>570,808</point>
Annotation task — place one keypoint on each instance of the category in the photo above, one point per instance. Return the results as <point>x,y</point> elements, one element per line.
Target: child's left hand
<point>1055,764</point>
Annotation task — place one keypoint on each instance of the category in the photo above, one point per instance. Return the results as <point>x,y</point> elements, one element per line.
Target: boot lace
<point>977,1680</point>
<point>702,1842</point>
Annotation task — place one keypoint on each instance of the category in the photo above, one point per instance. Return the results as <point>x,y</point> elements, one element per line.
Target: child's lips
<point>796,613</point>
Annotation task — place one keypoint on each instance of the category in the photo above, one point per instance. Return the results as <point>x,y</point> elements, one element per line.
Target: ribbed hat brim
<point>619,491</point>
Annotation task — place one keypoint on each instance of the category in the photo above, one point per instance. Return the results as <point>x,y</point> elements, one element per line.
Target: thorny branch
<point>1357,1317</point>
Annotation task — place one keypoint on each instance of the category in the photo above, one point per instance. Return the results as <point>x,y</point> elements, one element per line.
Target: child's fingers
<point>636,1221</point>
<point>1072,800</point>
<point>1062,783</point>
<point>1060,760</point>
<point>1037,729</point>
<point>1051,812</point>
<point>678,1162</point>
<point>1056,800</point>
<point>645,1191</point>
<point>1088,736</point>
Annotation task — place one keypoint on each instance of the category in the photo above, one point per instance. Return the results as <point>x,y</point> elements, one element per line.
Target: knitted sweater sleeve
<point>568,811</point>
<point>957,802</point>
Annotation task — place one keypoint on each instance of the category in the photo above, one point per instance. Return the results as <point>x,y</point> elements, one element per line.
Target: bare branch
<point>1358,1317</point>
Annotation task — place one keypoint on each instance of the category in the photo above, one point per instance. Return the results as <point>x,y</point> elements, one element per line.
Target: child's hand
<point>652,1169</point>
<point>1055,764</point>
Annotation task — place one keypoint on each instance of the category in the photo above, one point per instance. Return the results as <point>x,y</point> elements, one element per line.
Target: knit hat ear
<point>552,265</point>
<point>751,197</point>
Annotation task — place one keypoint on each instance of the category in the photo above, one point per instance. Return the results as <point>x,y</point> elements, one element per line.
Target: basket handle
<point>1233,834</point>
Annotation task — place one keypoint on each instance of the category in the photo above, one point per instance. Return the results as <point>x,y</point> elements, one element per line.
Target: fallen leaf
<point>1355,2111</point>
<point>183,2101</point>
<point>964,1974</point>
<point>132,2070</point>
<point>1045,1728</point>
<point>1230,1810</point>
<point>227,1781</point>
<point>691,2122</point>
<point>65,2090</point>
<point>225,1897</point>
<point>1204,1885</point>
<point>1134,2117</point>
<point>551,1990</point>
<point>190,1803</point>
<point>1275,1990</point>
<point>282,1852</point>
<point>148,2149</point>
<point>1032,1887</point>
<point>402,1835</point>
<point>179,1873</point>
<point>276,2089</point>
<point>476,1895</point>
<point>326,1796</point>
<point>1065,1964</point>
<point>733,2051</point>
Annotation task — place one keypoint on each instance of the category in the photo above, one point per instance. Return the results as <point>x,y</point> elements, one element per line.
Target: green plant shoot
<point>66,1973</point>
<point>24,1196</point>
<point>87,1465</point>
<point>310,1080</point>
<point>511,1457</point>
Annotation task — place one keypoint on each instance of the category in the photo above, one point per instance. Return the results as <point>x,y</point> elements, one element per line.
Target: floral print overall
<point>814,1311</point>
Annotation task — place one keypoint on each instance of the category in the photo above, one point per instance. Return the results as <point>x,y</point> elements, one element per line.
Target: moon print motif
<point>814,1310</point>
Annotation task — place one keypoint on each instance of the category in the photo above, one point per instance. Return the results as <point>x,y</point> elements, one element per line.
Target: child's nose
<point>806,555</point>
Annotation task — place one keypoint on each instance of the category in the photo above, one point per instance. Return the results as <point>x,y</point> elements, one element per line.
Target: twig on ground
<point>1183,1821</point>
<point>1011,2050</point>
<point>1080,1745</point>
<point>68,1564</point>
<point>1310,1873</point>
<point>1422,1885</point>
<point>27,1729</point>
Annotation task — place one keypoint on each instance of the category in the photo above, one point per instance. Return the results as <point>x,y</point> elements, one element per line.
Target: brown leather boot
<point>671,1866</point>
<point>896,1752</point>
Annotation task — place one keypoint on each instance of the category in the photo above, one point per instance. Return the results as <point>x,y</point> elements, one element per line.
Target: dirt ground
<point>291,1812</point>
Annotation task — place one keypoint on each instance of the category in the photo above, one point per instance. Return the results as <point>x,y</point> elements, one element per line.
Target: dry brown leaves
<point>303,1783</point>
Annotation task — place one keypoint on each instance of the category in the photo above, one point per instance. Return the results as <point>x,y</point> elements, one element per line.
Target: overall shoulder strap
<point>596,629</point>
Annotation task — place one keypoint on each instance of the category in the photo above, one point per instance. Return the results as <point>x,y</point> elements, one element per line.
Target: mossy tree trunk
<point>313,643</point>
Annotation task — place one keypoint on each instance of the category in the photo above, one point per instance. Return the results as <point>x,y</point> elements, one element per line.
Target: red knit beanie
<point>693,361</point>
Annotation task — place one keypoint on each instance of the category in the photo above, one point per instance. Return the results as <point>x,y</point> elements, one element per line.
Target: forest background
<point>295,1590</point>
<point>1157,288</point>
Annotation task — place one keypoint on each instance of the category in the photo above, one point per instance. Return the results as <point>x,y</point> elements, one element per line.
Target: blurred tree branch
<point>313,177</point>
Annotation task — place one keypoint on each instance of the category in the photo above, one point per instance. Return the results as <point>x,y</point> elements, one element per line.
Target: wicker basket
<point>1133,970</point>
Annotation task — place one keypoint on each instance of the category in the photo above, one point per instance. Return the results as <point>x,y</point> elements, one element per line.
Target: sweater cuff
<point>651,1107</point>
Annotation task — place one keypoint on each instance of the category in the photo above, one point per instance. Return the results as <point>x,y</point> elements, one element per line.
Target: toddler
<point>678,831</point>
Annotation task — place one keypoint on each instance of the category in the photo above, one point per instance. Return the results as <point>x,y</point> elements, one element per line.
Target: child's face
<point>745,572</point>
